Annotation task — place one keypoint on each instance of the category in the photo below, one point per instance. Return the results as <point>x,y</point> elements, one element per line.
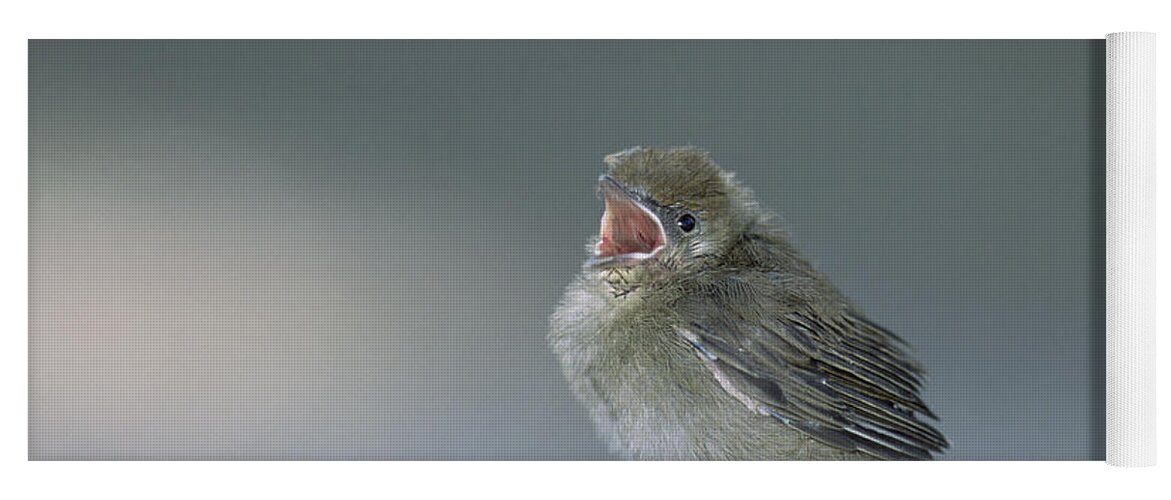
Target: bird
<point>696,331</point>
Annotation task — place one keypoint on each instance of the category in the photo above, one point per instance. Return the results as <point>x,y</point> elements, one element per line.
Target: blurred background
<point>350,250</point>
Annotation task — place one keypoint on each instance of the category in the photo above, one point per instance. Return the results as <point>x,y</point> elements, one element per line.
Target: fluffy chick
<point>696,331</point>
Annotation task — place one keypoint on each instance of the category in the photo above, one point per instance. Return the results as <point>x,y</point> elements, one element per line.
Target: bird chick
<point>695,331</point>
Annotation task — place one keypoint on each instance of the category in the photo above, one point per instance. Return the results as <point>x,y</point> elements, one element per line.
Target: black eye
<point>686,222</point>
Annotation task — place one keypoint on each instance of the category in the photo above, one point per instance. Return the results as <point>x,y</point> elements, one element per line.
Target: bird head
<point>672,208</point>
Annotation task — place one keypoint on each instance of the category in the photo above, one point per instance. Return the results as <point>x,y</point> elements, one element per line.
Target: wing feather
<point>835,376</point>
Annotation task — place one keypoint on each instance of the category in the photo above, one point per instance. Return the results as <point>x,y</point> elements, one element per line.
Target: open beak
<point>630,232</point>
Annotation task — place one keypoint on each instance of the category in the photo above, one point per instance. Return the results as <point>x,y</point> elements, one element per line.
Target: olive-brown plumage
<point>695,331</point>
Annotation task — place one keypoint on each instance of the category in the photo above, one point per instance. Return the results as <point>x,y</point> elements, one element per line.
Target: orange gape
<point>627,228</point>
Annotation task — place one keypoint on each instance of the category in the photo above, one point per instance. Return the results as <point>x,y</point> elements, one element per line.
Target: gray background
<point>267,250</point>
